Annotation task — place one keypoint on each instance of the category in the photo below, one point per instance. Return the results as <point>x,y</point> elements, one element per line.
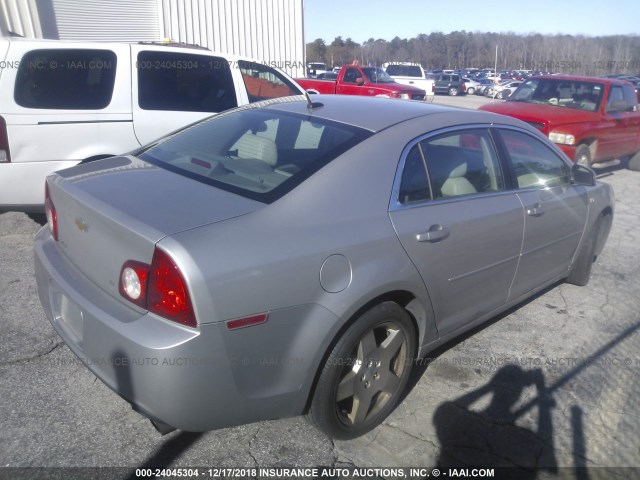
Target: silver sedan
<point>296,257</point>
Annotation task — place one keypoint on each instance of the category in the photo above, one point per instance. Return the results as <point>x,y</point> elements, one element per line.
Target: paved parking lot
<point>552,385</point>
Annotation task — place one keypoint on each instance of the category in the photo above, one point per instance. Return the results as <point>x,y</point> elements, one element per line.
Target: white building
<point>268,30</point>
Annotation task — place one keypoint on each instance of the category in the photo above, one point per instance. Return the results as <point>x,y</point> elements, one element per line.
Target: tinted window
<point>66,79</point>
<point>258,153</point>
<point>534,163</point>
<point>404,70</point>
<point>184,82</point>
<point>263,82</point>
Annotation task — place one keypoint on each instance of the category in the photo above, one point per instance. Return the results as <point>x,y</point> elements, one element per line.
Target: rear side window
<point>457,163</point>
<point>66,79</point>
<point>184,82</point>
<point>264,83</point>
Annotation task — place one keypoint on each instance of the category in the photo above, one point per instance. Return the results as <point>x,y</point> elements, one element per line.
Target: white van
<point>66,102</point>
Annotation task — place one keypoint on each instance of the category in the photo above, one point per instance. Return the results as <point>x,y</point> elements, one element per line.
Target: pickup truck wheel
<point>583,155</point>
<point>471,91</point>
<point>453,91</point>
<point>634,163</point>
<point>364,376</point>
<point>581,270</point>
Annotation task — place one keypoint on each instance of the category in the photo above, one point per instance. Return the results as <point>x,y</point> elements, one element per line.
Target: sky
<point>386,19</point>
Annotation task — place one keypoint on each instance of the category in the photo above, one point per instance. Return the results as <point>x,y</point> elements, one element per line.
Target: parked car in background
<point>292,257</point>
<point>483,84</point>
<point>365,81</point>
<point>471,85</point>
<point>449,83</point>
<point>591,119</point>
<point>316,68</point>
<point>503,89</point>
<point>66,102</point>
<point>410,74</point>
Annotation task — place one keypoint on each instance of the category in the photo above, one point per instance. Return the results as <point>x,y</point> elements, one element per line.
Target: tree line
<point>572,54</point>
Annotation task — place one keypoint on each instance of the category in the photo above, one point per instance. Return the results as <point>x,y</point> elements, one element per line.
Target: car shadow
<point>498,426</point>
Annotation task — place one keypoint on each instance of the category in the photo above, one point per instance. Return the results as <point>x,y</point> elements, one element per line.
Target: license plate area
<point>68,315</point>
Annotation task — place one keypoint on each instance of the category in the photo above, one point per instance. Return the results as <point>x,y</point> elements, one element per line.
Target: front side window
<point>534,164</point>
<point>263,82</point>
<point>258,153</point>
<point>351,75</point>
<point>184,82</point>
<point>66,79</point>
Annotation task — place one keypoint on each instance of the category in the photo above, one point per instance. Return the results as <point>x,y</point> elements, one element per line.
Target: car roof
<point>376,114</point>
<point>612,81</point>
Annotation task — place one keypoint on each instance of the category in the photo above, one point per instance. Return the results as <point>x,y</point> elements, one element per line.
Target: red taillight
<point>50,210</point>
<point>5,155</point>
<point>159,287</point>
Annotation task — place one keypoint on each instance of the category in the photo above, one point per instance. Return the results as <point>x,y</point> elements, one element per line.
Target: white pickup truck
<point>410,74</point>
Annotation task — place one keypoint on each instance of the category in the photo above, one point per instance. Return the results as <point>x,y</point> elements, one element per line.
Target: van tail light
<point>159,287</point>
<point>5,155</point>
<point>50,211</point>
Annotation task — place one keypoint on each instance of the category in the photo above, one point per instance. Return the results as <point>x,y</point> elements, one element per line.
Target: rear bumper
<point>191,379</point>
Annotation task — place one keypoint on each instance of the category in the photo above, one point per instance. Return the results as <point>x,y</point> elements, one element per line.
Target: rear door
<point>459,225</point>
<point>555,210</point>
<point>172,89</point>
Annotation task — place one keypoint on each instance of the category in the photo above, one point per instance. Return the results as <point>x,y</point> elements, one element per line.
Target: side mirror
<point>359,81</point>
<point>581,175</point>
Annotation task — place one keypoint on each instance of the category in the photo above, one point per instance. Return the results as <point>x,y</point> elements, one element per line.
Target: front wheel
<point>471,91</point>
<point>453,91</point>
<point>365,374</point>
<point>634,163</point>
<point>581,270</point>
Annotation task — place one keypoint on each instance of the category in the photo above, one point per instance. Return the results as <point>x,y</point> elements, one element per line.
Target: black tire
<point>471,91</point>
<point>355,392</point>
<point>581,270</point>
<point>583,155</point>
<point>453,91</point>
<point>634,163</point>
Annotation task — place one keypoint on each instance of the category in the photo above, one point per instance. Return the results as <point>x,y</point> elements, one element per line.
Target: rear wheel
<point>583,155</point>
<point>365,374</point>
<point>453,91</point>
<point>471,91</point>
<point>499,95</point>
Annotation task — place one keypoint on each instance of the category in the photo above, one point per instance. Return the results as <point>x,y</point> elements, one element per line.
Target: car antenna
<point>311,105</point>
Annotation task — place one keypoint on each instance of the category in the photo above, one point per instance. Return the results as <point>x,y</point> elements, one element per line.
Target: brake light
<point>50,211</point>
<point>5,156</point>
<point>159,287</point>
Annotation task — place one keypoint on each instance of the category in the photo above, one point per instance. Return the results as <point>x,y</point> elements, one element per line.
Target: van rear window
<point>66,79</point>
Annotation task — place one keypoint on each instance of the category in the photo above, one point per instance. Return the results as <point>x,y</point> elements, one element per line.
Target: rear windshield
<point>576,94</point>
<point>405,71</point>
<point>258,153</point>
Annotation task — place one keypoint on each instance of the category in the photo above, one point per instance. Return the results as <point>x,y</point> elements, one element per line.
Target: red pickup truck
<point>368,81</point>
<point>591,119</point>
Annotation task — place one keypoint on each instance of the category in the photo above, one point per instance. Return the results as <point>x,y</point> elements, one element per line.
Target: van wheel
<point>581,270</point>
<point>453,91</point>
<point>583,155</point>
<point>634,163</point>
<point>365,374</point>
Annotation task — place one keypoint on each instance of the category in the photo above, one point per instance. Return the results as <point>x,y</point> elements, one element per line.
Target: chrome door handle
<point>535,211</point>
<point>434,234</point>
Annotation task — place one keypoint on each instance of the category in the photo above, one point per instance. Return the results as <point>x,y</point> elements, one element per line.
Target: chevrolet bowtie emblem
<point>82,225</point>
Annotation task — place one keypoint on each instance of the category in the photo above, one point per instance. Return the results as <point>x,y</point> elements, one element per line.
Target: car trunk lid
<point>117,209</point>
